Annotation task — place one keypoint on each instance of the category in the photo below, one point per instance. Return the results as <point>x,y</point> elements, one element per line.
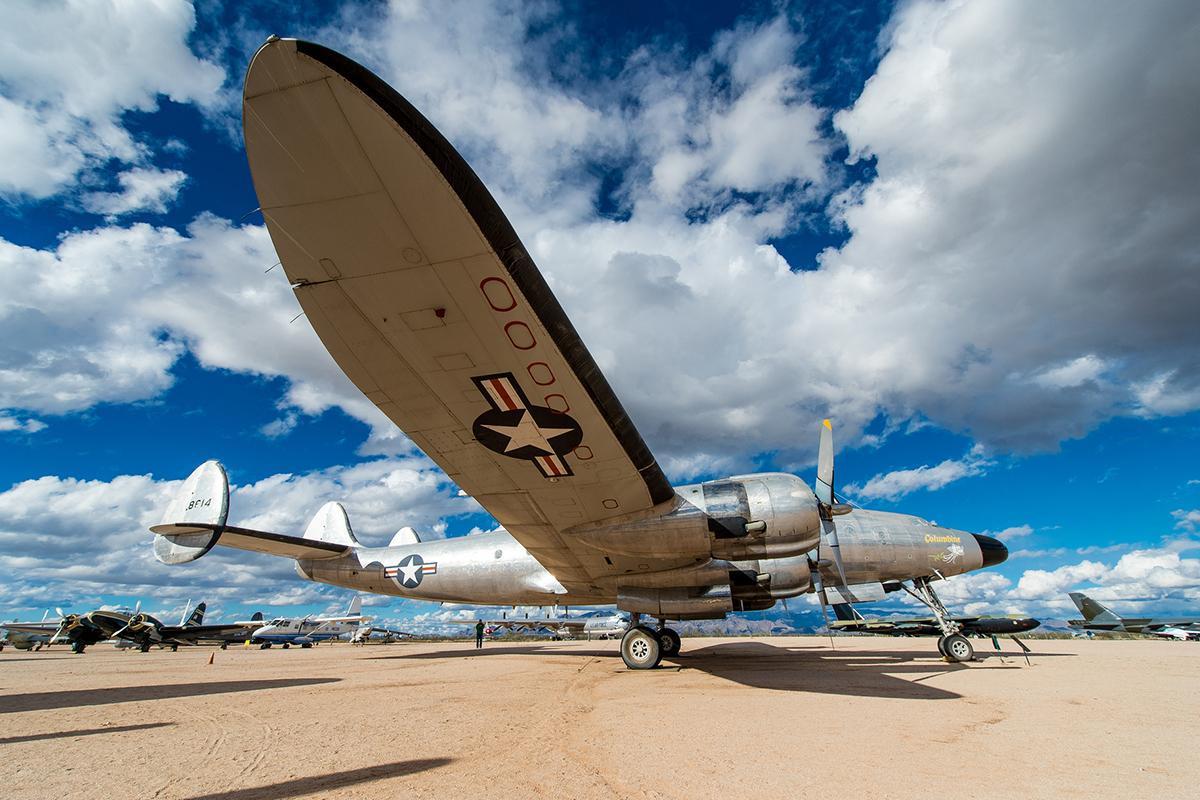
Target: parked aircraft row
<point>141,630</point>
<point>1096,617</point>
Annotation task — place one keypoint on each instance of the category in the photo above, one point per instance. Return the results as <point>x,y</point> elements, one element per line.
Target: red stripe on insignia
<point>551,464</point>
<point>505,397</point>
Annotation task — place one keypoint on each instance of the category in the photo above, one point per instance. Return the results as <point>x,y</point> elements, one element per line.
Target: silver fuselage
<point>494,569</point>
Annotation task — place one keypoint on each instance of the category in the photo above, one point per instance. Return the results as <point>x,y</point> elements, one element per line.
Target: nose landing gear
<point>953,646</point>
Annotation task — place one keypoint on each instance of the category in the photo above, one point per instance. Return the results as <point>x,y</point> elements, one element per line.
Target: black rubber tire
<point>306,645</point>
<point>640,648</point>
<point>224,645</point>
<point>670,642</point>
<point>265,646</point>
<point>958,648</point>
<point>941,645</point>
<point>286,645</point>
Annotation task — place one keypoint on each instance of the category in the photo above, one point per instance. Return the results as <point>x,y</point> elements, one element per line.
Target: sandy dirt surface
<point>781,717</point>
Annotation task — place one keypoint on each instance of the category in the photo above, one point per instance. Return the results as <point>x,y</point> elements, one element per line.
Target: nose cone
<point>994,551</point>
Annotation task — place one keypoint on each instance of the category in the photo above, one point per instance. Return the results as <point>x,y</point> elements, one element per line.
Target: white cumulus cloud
<point>69,70</point>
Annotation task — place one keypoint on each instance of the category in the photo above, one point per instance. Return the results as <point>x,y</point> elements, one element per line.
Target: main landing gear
<point>643,647</point>
<point>953,646</point>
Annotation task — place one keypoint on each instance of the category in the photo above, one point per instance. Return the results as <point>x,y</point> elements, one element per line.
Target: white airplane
<point>1178,634</point>
<point>306,631</point>
<point>420,289</point>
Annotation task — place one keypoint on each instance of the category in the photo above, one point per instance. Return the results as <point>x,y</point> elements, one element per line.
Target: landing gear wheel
<point>669,641</point>
<point>265,646</point>
<point>958,648</point>
<point>77,647</point>
<point>640,648</point>
<point>224,645</point>
<point>306,645</point>
<point>145,647</point>
<point>286,645</point>
<point>942,645</point>
<point>174,648</point>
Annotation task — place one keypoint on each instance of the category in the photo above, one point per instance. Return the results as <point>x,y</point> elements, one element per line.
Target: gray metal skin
<point>494,569</point>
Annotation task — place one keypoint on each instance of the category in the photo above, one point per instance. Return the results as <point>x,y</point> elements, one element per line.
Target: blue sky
<point>966,233</point>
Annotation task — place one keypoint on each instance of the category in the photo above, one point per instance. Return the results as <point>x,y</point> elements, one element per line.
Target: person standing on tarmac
<point>479,634</point>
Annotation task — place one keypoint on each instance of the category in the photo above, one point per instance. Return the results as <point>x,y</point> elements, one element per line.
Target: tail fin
<point>355,609</point>
<point>193,520</point>
<point>405,535</point>
<point>1091,610</point>
<point>197,617</point>
<point>256,617</point>
<point>331,524</point>
<point>846,612</point>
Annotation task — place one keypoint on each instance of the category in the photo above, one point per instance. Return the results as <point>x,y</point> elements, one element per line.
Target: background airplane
<point>24,639</point>
<point>600,625</point>
<point>306,631</point>
<point>139,629</point>
<point>849,619</point>
<point>1096,617</point>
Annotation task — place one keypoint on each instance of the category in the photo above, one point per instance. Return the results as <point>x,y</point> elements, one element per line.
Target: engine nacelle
<point>772,515</point>
<point>707,602</point>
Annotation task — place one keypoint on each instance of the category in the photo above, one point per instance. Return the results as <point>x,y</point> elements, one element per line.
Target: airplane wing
<point>190,634</point>
<point>417,284</point>
<point>48,627</point>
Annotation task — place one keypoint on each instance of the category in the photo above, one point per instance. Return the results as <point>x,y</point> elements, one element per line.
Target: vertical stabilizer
<point>331,524</point>
<point>846,612</point>
<point>197,617</point>
<point>355,609</point>
<point>1093,611</point>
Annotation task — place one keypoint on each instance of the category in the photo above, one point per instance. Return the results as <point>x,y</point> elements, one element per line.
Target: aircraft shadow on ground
<point>811,668</point>
<point>40,737</point>
<point>74,698</point>
<point>321,785</point>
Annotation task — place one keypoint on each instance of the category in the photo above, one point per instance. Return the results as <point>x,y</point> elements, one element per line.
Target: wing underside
<point>420,289</point>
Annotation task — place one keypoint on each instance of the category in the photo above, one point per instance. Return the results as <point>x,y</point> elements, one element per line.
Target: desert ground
<point>778,717</point>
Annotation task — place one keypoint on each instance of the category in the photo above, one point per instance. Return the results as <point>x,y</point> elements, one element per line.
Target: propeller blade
<point>835,550</point>
<point>59,611</point>
<point>824,483</point>
<point>821,599</point>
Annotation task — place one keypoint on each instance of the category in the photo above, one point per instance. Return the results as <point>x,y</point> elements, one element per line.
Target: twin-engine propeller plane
<point>135,628</point>
<point>417,284</point>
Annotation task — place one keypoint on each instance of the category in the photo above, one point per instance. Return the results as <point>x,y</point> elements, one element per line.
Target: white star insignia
<point>526,433</point>
<point>410,571</point>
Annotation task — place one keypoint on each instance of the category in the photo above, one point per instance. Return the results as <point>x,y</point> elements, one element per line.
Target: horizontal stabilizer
<point>195,521</point>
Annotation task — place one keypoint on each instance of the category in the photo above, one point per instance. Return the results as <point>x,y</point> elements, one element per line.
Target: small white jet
<point>1178,634</point>
<point>306,631</point>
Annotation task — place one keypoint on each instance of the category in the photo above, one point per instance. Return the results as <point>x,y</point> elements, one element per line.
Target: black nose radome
<point>994,551</point>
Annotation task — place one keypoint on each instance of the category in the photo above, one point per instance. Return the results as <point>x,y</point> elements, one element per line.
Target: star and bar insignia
<point>410,571</point>
<point>516,428</point>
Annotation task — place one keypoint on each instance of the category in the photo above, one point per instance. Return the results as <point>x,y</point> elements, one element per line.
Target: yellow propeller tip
<point>827,424</point>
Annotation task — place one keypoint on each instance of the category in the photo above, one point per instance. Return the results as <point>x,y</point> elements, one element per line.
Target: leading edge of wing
<point>503,240</point>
